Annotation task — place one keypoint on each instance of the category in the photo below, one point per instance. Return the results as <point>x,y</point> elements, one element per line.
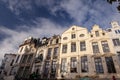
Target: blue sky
<point>20,19</point>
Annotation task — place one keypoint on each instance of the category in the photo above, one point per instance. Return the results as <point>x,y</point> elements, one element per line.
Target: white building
<point>7,66</point>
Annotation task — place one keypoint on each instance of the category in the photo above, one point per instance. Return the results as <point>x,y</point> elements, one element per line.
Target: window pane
<point>96,33</point>
<point>82,46</point>
<point>56,51</point>
<point>73,66</point>
<point>64,48</point>
<point>98,65</point>
<point>95,47</point>
<point>110,65</point>
<point>105,46</point>
<point>84,64</point>
<point>63,65</point>
<point>73,36</point>
<point>73,47</point>
<point>116,42</point>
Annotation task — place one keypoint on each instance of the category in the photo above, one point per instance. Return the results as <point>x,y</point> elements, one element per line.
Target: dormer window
<point>73,28</point>
<point>65,38</point>
<point>97,33</point>
<point>73,35</point>
<point>57,40</point>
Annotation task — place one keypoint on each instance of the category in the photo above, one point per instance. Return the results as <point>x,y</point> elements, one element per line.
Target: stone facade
<point>75,54</point>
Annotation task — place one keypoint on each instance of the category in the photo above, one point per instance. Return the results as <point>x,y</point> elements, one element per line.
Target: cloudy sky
<point>20,19</point>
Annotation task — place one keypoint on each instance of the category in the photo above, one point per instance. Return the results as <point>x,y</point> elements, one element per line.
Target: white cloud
<point>44,27</point>
<point>17,5</point>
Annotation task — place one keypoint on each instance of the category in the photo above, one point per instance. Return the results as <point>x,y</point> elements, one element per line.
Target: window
<point>95,47</point>
<point>105,46</point>
<point>73,66</point>
<point>17,59</point>
<point>65,38</point>
<point>11,62</point>
<point>116,31</point>
<point>118,53</point>
<point>109,30</point>
<point>26,71</point>
<point>81,35</point>
<point>98,65</point>
<point>110,65</point>
<point>82,46</point>
<point>30,58</point>
<point>64,48</point>
<point>55,51</point>
<point>63,65</point>
<point>73,36</point>
<point>21,49</point>
<point>91,35</point>
<point>73,47</point>
<point>47,66</point>
<point>73,28</point>
<point>116,42</point>
<point>84,64</point>
<point>24,58</point>
<point>119,31</point>
<point>57,41</point>
<point>96,33</point>
<point>51,41</point>
<point>103,34</point>
<point>49,52</point>
<point>53,68</point>
<point>40,57</point>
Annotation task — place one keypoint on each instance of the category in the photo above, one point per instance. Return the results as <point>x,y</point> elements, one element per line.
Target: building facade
<point>75,54</point>
<point>25,58</point>
<point>7,66</point>
<point>92,54</point>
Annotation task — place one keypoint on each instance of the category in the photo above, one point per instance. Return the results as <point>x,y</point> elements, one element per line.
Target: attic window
<point>73,28</point>
<point>103,33</point>
<point>109,30</point>
<point>91,35</point>
<point>81,35</point>
<point>65,38</point>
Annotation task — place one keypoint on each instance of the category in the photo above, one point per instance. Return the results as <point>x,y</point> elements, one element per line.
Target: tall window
<point>47,66</point>
<point>97,33</point>
<point>73,35</point>
<point>84,64</point>
<point>73,47</point>
<point>49,52</point>
<point>64,48</point>
<point>30,58</point>
<point>53,67</point>
<point>73,66</point>
<point>24,58</point>
<point>98,65</point>
<point>82,46</point>
<point>57,41</point>
<point>110,65</point>
<point>63,65</point>
<point>95,47</point>
<point>118,53</point>
<point>17,59</point>
<point>105,46</point>
<point>116,42</point>
<point>21,49</point>
<point>56,49</point>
